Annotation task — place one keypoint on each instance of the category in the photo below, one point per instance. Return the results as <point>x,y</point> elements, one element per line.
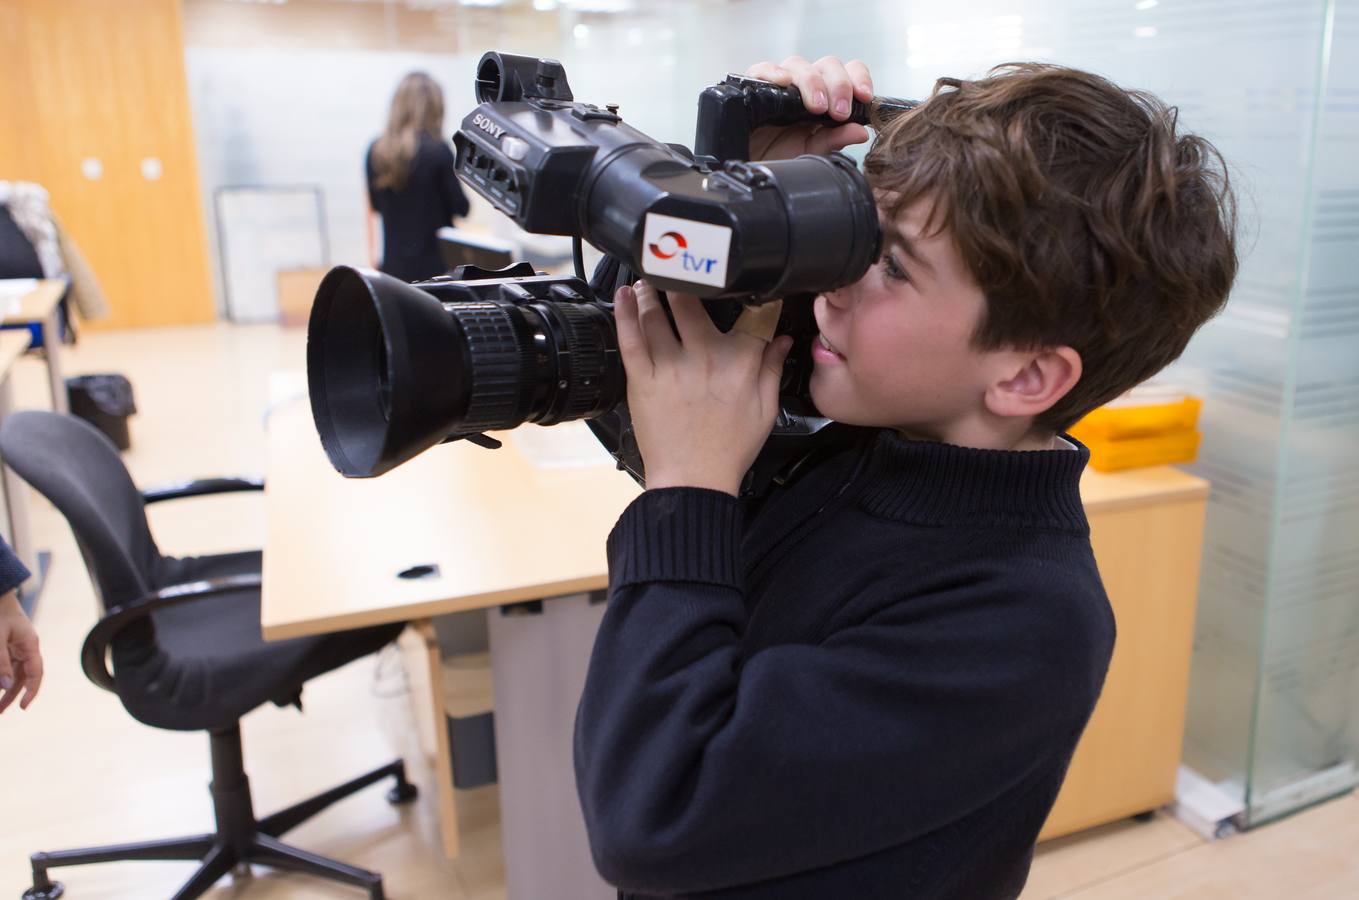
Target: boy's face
<point>902,341</point>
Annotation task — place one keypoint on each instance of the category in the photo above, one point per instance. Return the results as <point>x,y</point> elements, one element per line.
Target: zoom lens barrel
<point>395,368</point>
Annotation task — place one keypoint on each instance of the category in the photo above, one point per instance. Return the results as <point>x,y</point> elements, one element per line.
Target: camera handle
<point>731,109</point>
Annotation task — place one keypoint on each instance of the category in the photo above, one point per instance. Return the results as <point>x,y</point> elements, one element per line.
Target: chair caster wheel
<point>404,792</point>
<point>47,893</point>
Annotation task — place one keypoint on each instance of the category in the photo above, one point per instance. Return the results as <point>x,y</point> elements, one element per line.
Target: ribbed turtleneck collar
<point>941,484</point>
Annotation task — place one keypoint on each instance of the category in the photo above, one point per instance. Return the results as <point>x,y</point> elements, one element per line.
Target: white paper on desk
<point>13,289</point>
<point>561,446</point>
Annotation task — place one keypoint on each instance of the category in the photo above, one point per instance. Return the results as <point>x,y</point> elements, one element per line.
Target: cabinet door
<point>105,127</point>
<point>1148,556</point>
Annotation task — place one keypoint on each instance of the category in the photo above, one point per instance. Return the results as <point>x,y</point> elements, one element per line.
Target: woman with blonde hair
<point>411,183</point>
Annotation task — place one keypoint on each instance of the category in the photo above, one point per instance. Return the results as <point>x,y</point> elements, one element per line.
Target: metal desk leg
<point>538,662</point>
<point>52,349</point>
<point>431,686</point>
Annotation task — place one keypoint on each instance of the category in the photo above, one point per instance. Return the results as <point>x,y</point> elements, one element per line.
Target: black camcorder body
<point>395,368</point>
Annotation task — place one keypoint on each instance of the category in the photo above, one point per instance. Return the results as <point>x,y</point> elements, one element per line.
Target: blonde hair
<point>417,109</point>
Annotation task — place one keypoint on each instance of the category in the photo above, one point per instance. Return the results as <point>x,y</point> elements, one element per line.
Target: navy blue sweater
<point>870,686</point>
<point>12,572</point>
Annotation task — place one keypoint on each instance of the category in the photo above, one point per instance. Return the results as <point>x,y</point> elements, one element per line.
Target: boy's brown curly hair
<point>1084,216</point>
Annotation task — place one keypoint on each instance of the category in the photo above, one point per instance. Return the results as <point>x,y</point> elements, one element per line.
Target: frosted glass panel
<point>1306,738</point>
<point>1274,83</point>
<point>261,232</point>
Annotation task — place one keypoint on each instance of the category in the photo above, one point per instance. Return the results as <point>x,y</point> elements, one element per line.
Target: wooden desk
<point>500,529</point>
<point>39,306</point>
<point>503,530</point>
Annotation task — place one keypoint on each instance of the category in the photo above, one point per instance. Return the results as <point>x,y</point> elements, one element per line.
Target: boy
<point>871,685</point>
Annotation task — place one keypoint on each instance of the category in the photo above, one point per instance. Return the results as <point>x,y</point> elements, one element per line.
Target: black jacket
<point>429,200</point>
<point>870,687</point>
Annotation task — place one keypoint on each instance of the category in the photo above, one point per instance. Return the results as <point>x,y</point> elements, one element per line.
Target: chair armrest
<point>201,487</point>
<point>93,655</point>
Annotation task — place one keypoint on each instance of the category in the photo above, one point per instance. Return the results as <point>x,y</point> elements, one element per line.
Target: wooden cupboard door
<point>1126,762</point>
<point>105,128</point>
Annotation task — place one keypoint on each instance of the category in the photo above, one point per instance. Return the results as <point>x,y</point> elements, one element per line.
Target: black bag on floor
<point>105,401</point>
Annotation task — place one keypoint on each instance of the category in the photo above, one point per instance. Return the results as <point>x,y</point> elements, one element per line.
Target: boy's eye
<point>892,269</point>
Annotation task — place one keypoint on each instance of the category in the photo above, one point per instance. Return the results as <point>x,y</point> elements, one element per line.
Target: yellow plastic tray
<point>1113,454</point>
<point>1120,420</point>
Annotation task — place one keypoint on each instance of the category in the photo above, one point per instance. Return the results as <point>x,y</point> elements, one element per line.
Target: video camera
<point>395,368</point>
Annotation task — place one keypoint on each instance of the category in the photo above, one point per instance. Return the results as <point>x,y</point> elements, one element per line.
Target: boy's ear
<point>1031,382</point>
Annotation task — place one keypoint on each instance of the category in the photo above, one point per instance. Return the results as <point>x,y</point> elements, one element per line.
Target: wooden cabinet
<point>1146,526</point>
<point>94,106</point>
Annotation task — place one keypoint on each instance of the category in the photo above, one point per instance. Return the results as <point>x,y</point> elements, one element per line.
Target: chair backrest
<point>18,258</point>
<point>77,468</point>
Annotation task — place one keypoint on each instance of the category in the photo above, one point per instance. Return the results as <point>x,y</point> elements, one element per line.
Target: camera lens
<point>384,381</point>
<point>395,368</point>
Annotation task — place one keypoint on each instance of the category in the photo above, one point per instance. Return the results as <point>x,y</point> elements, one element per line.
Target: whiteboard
<point>260,232</point>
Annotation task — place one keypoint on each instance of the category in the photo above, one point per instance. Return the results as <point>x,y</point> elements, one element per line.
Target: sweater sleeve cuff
<point>677,534</point>
<point>12,572</point>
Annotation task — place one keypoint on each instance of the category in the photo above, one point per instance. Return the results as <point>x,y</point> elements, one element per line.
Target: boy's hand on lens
<point>703,402</point>
<point>826,85</point>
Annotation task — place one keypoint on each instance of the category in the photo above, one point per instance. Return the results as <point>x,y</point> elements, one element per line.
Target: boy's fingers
<point>789,143</point>
<point>660,337</point>
<point>839,88</point>
<point>631,344</point>
<point>771,369</point>
<point>863,82</point>
<point>809,83</point>
<point>691,319</point>
<point>770,71</point>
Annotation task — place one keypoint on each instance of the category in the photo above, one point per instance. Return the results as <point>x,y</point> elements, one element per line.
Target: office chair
<point>184,638</point>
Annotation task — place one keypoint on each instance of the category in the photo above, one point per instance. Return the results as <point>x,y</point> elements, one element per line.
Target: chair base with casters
<point>179,643</point>
<point>240,837</point>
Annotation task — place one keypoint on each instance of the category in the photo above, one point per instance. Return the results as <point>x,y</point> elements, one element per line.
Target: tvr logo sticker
<point>669,244</point>
<point>686,250</point>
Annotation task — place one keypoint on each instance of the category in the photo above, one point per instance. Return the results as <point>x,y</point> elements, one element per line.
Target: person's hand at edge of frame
<point>20,659</point>
<point>702,402</point>
<point>826,85</point>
